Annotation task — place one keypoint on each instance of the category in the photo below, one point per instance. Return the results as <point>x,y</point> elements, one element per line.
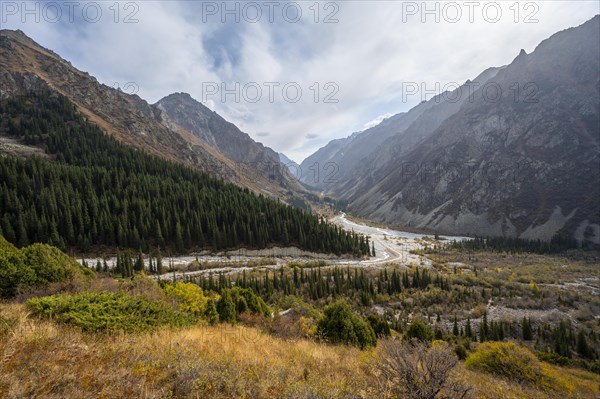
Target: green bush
<point>35,266</point>
<point>508,360</point>
<point>12,269</point>
<point>554,358</point>
<point>106,312</point>
<point>340,325</point>
<point>419,330</point>
<point>460,351</point>
<point>379,324</point>
<point>235,301</point>
<point>51,265</point>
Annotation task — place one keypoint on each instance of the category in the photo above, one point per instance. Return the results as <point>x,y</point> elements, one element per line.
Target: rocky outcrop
<point>249,156</point>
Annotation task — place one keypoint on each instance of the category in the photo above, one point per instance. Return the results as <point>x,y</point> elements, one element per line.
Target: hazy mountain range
<point>515,152</point>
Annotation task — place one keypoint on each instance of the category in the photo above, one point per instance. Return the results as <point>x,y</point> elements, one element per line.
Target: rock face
<point>346,159</point>
<point>518,157</point>
<point>249,156</point>
<point>177,128</point>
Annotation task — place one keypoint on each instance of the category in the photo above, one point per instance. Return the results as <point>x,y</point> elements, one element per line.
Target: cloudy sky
<point>293,75</point>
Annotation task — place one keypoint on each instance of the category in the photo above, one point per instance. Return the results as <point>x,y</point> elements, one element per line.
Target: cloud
<point>318,81</point>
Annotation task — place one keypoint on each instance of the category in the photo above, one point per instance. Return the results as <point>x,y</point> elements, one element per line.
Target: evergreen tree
<point>159,266</point>
<point>527,331</point>
<point>582,346</point>
<point>226,307</point>
<point>210,312</point>
<point>468,329</point>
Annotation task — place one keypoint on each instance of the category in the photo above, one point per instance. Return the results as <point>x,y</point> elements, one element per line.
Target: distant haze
<point>351,65</point>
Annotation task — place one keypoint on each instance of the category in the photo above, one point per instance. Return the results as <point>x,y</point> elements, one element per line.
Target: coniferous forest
<point>97,191</point>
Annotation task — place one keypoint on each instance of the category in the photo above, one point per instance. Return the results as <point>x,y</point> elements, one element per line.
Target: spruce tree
<point>210,312</point>
<point>226,307</point>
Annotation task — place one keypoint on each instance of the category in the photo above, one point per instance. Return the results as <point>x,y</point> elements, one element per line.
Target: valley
<point>154,246</point>
<point>391,246</point>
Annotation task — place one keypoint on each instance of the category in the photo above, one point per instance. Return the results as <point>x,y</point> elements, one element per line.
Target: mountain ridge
<point>27,66</point>
<point>527,161</point>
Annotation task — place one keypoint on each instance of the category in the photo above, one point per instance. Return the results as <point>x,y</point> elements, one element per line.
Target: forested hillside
<point>97,191</point>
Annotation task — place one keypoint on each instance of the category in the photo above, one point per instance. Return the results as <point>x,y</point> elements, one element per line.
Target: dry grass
<point>39,359</point>
<point>574,384</point>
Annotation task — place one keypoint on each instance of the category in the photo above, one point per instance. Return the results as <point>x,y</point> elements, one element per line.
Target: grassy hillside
<point>43,359</point>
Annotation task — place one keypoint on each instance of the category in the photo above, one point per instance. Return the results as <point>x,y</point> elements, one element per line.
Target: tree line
<point>96,191</point>
<point>315,284</point>
<point>558,243</point>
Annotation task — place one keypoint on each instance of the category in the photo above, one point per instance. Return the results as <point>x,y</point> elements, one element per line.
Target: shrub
<point>51,265</point>
<point>419,370</point>
<point>340,325</point>
<point>108,312</point>
<point>379,324</point>
<point>509,360</point>
<point>35,266</point>
<point>554,358</point>
<point>419,330</point>
<point>12,269</point>
<point>460,351</point>
<point>246,300</point>
<point>188,296</point>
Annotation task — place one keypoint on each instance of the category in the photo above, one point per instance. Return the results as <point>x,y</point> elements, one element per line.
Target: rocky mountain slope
<point>347,158</point>
<point>520,157</point>
<point>251,158</point>
<point>218,148</point>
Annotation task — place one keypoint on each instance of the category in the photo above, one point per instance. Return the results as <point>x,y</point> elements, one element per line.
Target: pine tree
<point>527,331</point>
<point>468,330</point>
<point>583,348</point>
<point>159,265</point>
<point>226,307</point>
<point>210,312</point>
<point>139,263</point>
<point>484,329</point>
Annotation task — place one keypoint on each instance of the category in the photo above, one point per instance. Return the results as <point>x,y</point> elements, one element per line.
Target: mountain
<point>524,163</point>
<point>251,158</point>
<point>290,166</point>
<point>172,129</point>
<point>92,192</point>
<point>343,159</point>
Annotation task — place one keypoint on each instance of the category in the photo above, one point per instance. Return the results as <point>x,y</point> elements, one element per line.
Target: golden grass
<point>39,359</point>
